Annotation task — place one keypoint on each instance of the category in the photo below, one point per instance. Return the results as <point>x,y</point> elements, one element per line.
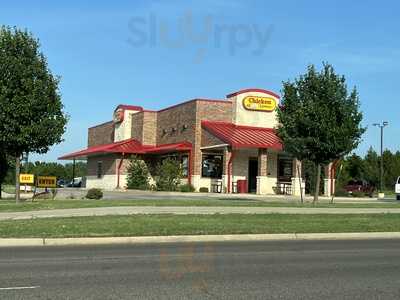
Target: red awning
<point>239,136</point>
<point>165,148</point>
<point>129,146</point>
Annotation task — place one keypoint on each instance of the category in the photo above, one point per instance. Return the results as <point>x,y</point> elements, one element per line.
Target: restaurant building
<point>226,146</point>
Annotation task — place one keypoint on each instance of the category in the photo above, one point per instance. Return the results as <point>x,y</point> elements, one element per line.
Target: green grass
<point>10,206</point>
<point>158,225</point>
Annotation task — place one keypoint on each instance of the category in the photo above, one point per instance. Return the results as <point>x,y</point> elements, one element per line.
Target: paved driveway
<point>149,195</point>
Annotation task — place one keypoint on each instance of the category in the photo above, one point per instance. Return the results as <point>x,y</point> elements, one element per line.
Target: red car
<point>359,186</point>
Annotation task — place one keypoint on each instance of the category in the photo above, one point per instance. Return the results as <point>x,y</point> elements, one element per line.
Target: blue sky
<point>108,53</point>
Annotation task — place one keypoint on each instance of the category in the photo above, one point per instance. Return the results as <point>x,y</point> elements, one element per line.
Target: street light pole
<point>381,126</point>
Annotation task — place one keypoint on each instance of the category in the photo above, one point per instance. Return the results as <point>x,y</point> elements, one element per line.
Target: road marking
<point>19,288</point>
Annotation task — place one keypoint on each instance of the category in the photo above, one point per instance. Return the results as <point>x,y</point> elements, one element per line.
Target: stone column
<point>329,181</point>
<point>262,178</point>
<point>225,168</point>
<point>297,188</point>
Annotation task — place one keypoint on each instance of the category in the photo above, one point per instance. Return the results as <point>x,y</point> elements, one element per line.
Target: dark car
<point>77,182</point>
<point>359,186</point>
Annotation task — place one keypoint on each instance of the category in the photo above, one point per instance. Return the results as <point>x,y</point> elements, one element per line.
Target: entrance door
<point>253,173</point>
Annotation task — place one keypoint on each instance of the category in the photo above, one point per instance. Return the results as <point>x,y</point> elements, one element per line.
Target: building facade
<point>225,145</point>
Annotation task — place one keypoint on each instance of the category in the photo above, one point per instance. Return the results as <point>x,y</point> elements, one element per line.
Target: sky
<point>159,53</point>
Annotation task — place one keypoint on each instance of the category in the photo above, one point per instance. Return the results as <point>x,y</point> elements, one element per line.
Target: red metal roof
<point>164,148</point>
<point>129,146</point>
<point>239,136</point>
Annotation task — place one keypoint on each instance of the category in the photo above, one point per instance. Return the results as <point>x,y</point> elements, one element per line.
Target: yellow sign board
<point>259,103</point>
<point>26,178</point>
<point>47,181</point>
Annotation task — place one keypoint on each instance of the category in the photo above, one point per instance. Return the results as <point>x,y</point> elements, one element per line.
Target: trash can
<point>242,186</point>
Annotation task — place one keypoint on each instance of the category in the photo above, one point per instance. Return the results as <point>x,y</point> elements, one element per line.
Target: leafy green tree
<point>168,175</point>
<point>138,174</point>
<point>4,166</point>
<point>355,167</point>
<point>371,164</point>
<point>31,112</point>
<point>320,120</point>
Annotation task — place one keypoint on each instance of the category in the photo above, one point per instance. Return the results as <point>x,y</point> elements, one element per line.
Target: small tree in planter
<point>138,174</point>
<point>168,175</point>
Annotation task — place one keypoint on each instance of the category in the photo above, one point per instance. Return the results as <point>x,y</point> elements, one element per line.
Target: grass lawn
<point>157,225</point>
<point>10,206</point>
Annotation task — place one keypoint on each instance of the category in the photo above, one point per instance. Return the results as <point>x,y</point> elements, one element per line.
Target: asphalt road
<point>257,270</point>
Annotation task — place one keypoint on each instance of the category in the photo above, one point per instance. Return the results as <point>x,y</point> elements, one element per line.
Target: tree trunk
<point>317,183</point>
<point>17,171</point>
<point>0,190</point>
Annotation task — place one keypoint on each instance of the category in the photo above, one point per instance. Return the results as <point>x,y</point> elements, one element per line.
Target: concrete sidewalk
<point>136,240</point>
<point>185,210</point>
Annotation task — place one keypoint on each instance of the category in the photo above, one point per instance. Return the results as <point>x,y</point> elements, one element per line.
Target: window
<point>285,168</point>
<point>211,166</point>
<point>185,165</point>
<point>99,170</point>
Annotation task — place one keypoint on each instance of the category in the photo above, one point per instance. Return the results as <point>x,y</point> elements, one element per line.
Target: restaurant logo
<point>118,115</point>
<point>26,178</point>
<point>257,103</point>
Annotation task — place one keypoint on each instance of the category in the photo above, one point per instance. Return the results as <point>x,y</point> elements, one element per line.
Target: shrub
<point>358,194</point>
<point>186,188</point>
<point>341,193</point>
<point>94,194</point>
<point>203,190</point>
<point>168,175</point>
<point>138,174</point>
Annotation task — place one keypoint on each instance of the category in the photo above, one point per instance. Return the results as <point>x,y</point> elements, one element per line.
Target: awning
<point>165,148</point>
<point>239,136</point>
<point>129,146</point>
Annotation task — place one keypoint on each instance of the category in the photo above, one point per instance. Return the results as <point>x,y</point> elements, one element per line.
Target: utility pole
<point>381,126</point>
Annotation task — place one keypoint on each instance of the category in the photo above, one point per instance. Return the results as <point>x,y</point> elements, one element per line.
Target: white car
<point>397,188</point>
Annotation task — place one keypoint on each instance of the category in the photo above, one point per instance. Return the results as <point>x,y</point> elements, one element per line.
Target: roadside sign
<point>26,178</point>
<point>47,181</point>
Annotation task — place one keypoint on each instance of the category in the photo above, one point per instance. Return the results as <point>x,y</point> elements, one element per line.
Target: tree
<point>4,165</point>
<point>31,112</point>
<point>138,174</point>
<point>320,120</point>
<point>371,163</point>
<point>168,174</point>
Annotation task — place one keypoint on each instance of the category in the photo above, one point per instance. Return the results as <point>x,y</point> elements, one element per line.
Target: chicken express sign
<point>259,103</point>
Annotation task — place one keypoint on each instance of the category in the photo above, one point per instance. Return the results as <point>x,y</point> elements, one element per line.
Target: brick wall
<point>211,111</point>
<point>207,139</point>
<point>137,126</point>
<point>109,164</point>
<point>149,128</point>
<point>101,134</point>
<point>177,117</point>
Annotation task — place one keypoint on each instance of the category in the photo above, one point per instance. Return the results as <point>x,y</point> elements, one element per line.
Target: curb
<point>33,242</point>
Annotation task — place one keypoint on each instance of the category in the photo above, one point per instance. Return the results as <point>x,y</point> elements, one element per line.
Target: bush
<point>203,190</point>
<point>341,193</point>
<point>187,188</point>
<point>94,194</point>
<point>138,174</point>
<point>358,194</point>
<point>168,175</point>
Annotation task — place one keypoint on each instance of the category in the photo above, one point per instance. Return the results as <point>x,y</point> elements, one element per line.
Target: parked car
<point>77,182</point>
<point>61,183</point>
<point>359,186</point>
<point>397,188</point>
